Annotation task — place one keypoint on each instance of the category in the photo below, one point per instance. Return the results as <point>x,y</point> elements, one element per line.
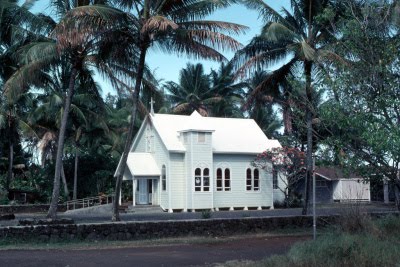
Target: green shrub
<point>339,247</point>
<point>206,214</point>
<point>3,196</point>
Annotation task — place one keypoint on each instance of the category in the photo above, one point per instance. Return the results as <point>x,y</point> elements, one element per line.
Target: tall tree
<point>261,107</point>
<point>80,37</point>
<point>16,23</point>
<point>301,37</point>
<point>228,94</point>
<point>362,113</point>
<point>175,27</point>
<point>192,92</point>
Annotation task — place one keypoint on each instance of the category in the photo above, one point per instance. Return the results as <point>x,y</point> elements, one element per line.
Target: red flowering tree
<point>287,166</point>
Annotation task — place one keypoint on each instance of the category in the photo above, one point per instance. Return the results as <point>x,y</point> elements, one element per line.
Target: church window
<point>275,179</point>
<point>252,180</point>
<point>223,179</point>
<point>202,180</point>
<point>164,178</point>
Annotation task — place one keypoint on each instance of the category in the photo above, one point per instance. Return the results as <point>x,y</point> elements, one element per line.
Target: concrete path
<point>162,216</point>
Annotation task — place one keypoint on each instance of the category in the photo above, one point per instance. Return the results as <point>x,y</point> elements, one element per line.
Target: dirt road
<point>206,253</point>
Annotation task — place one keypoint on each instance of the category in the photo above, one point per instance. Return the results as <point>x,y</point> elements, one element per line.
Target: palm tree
<point>214,94</point>
<point>15,20</point>
<point>228,94</point>
<point>261,107</point>
<point>302,37</point>
<point>79,40</point>
<point>192,92</point>
<point>174,27</point>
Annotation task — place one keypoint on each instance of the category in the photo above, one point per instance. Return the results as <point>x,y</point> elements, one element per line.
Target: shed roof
<point>335,173</point>
<point>229,135</point>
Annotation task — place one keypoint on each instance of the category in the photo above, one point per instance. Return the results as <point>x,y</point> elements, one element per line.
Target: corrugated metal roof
<point>228,135</point>
<point>142,164</point>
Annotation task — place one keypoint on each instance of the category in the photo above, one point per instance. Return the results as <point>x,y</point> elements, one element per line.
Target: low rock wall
<point>34,208</point>
<point>159,229</point>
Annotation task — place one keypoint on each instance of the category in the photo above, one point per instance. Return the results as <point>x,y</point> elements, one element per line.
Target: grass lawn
<point>355,242</point>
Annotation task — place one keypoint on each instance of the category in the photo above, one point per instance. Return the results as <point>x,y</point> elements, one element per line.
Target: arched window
<point>248,180</point>
<point>256,180</point>
<point>163,178</point>
<point>206,179</point>
<point>223,179</point>
<point>197,180</point>
<point>252,180</point>
<point>275,179</point>
<point>219,179</point>
<point>227,182</point>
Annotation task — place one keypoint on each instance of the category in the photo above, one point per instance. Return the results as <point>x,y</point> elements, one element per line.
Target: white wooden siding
<point>161,157</point>
<point>201,157</point>
<point>177,181</point>
<point>279,195</point>
<point>140,145</point>
<point>239,196</point>
<point>351,189</point>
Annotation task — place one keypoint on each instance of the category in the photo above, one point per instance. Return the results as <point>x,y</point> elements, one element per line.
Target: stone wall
<point>34,208</point>
<point>160,229</point>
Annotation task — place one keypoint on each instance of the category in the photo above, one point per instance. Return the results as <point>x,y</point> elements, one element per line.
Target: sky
<point>167,67</point>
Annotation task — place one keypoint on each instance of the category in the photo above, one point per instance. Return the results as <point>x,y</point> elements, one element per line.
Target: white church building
<point>188,163</point>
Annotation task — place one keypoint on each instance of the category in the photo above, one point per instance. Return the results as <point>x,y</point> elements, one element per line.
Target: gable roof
<point>142,164</point>
<point>229,135</point>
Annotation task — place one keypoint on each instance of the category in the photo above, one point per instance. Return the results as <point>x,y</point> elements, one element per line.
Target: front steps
<point>144,209</point>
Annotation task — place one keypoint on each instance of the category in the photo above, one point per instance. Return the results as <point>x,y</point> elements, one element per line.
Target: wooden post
<point>385,191</point>
<point>133,192</point>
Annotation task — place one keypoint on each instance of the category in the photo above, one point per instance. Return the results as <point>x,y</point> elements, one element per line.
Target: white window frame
<point>202,177</point>
<point>164,178</point>
<point>251,187</point>
<point>223,180</point>
<point>275,183</point>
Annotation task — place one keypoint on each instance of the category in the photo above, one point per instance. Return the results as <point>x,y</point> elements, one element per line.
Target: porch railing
<point>89,202</point>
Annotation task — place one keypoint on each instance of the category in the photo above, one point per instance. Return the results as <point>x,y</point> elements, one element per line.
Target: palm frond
<point>185,45</point>
<point>271,81</point>
<point>192,9</point>
<point>228,27</point>
<point>211,39</point>
<point>278,33</point>
<point>264,10</point>
<point>307,51</point>
<point>158,24</point>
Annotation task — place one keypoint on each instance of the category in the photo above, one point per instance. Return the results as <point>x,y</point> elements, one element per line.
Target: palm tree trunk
<point>52,213</point>
<point>74,194</point>
<point>309,115</point>
<point>10,164</point>
<point>64,180</point>
<point>128,142</point>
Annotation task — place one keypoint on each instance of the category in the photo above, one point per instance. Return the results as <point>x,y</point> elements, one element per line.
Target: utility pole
<point>313,196</point>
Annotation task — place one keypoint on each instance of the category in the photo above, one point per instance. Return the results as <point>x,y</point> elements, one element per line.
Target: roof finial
<point>151,107</point>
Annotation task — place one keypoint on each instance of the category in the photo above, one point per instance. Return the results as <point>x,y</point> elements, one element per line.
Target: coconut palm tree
<point>227,93</point>
<point>192,92</point>
<point>260,108</point>
<point>15,23</point>
<point>174,27</point>
<point>214,94</point>
<point>302,38</point>
<point>79,39</point>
